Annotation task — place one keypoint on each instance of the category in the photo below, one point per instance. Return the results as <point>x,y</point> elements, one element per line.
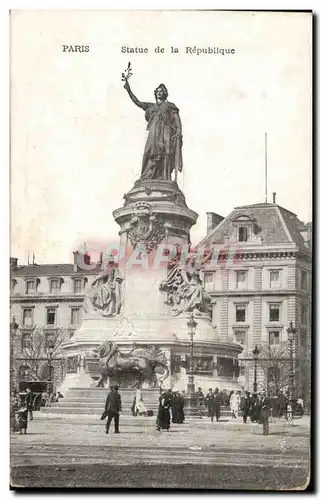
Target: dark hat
<point>116,387</point>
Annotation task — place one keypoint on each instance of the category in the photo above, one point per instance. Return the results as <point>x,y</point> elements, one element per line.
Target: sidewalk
<point>136,433</point>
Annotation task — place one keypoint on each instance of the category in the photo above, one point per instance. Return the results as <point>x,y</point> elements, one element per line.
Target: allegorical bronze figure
<point>163,150</point>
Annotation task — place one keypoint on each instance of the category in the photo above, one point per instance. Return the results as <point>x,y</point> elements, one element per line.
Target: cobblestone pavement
<point>55,444</point>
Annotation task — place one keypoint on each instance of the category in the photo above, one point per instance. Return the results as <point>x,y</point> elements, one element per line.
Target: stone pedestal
<point>154,215</point>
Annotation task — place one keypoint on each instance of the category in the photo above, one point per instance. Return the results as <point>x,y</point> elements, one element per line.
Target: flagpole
<point>265,167</point>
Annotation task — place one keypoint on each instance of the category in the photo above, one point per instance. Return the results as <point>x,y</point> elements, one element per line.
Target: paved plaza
<point>75,451</point>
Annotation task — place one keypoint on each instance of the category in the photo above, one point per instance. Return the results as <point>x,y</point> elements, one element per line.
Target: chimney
<point>75,267</point>
<point>87,258</point>
<point>212,221</point>
<point>274,198</point>
<point>13,263</point>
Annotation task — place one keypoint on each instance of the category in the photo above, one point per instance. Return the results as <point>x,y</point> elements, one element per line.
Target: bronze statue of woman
<point>163,149</point>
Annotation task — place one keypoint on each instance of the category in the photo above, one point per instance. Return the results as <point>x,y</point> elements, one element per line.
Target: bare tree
<point>35,349</point>
<point>274,361</point>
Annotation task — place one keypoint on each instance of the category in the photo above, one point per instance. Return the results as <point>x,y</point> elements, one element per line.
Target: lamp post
<point>192,325</point>
<point>13,379</point>
<point>50,346</point>
<point>291,331</point>
<point>13,330</point>
<point>255,354</point>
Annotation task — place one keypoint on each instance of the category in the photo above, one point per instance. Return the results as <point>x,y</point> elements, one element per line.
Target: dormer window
<point>78,285</point>
<point>244,228</point>
<point>31,285</point>
<point>55,284</point>
<point>242,233</point>
<point>13,284</point>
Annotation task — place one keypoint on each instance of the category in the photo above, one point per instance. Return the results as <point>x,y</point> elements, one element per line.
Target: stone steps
<point>91,401</point>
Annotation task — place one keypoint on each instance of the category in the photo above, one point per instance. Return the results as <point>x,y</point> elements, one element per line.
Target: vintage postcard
<point>160,267</point>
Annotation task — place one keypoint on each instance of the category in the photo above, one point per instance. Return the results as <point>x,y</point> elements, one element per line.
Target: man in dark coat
<point>113,406</point>
<point>213,401</point>
<point>264,412</point>
<point>175,408</point>
<point>181,416</point>
<point>245,406</point>
<point>29,402</point>
<point>281,404</point>
<point>254,407</point>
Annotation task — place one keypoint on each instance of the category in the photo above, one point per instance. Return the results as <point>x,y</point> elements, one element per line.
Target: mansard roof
<point>35,270</point>
<point>274,225</point>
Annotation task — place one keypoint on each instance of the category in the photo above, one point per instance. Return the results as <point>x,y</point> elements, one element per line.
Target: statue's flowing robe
<point>163,149</point>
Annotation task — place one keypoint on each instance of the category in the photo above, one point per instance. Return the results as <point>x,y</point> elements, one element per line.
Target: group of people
<point>174,401</point>
<point>21,407</point>
<point>171,408</point>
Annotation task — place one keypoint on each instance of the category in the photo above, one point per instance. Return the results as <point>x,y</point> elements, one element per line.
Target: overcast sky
<point>77,140</point>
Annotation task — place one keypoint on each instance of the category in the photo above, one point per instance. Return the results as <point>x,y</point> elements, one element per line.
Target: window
<point>54,286</point>
<point>274,338</point>
<point>77,286</point>
<point>209,281</point>
<point>274,279</point>
<point>51,316</point>
<point>75,316</point>
<point>31,286</point>
<point>240,279</point>
<point>274,312</point>
<point>26,341</point>
<point>240,313</point>
<point>304,314</point>
<point>304,280</point>
<point>27,317</point>
<point>242,233</point>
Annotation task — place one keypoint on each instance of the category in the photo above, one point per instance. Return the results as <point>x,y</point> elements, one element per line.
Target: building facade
<point>259,278</point>
<point>47,304</point>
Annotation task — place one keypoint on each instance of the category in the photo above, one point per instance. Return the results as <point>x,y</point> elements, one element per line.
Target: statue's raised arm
<point>140,104</point>
<point>163,150</point>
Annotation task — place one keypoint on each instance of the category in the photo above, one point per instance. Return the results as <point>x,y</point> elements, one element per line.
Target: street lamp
<point>192,325</point>
<point>13,379</point>
<point>291,331</point>
<point>50,346</point>
<point>13,330</point>
<point>255,354</point>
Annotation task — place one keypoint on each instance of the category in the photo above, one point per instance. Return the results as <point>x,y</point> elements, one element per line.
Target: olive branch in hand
<point>127,73</point>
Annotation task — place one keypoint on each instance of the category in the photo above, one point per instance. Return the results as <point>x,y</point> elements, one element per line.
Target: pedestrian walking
<point>29,402</point>
<point>22,414</point>
<point>264,412</point>
<point>245,406</point>
<point>180,417</point>
<point>113,406</point>
<point>210,403</point>
<point>163,417</point>
<point>254,407</point>
<point>281,404</point>
<point>200,401</point>
<point>175,408</point>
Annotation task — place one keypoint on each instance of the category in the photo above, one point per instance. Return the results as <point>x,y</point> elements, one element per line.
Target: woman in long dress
<point>163,417</point>
<point>139,407</point>
<point>234,404</point>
